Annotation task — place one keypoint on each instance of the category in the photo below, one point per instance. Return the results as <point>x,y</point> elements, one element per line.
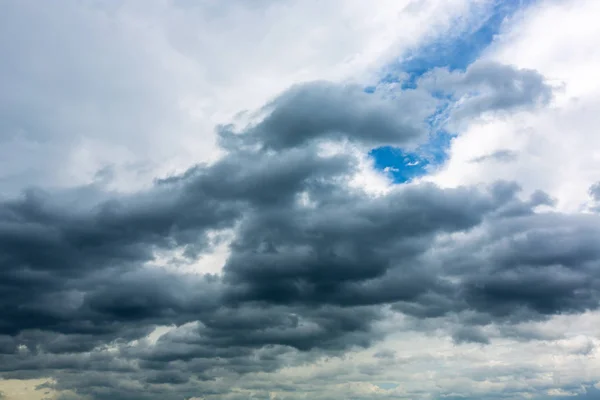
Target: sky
<point>299,199</point>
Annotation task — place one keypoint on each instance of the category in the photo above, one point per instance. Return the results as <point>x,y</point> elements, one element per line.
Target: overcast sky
<point>299,199</point>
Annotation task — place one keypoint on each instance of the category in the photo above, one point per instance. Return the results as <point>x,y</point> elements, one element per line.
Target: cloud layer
<point>312,265</point>
<point>325,285</point>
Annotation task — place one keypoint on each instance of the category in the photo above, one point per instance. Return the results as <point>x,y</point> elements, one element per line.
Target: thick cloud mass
<point>314,265</point>
<point>322,110</point>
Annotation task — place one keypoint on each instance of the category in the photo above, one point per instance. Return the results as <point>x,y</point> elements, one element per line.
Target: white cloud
<point>140,85</point>
<point>555,147</point>
<point>424,365</point>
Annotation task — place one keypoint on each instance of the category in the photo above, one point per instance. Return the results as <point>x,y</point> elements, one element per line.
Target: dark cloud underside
<point>313,262</point>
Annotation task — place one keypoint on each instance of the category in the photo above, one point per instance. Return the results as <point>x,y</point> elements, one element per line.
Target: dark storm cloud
<point>312,263</point>
<point>341,255</point>
<point>544,262</point>
<point>53,257</point>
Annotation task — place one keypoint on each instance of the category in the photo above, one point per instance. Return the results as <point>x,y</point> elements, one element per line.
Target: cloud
<point>489,87</point>
<point>423,290</point>
<point>323,110</point>
<point>590,393</point>
<point>594,192</point>
<point>304,280</point>
<point>559,131</point>
<point>503,156</point>
<point>470,334</point>
<point>141,85</point>
<point>482,91</point>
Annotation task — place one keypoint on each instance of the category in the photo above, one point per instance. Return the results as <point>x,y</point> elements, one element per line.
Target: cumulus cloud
<point>322,110</point>
<point>140,85</point>
<point>325,284</point>
<point>488,87</point>
<point>304,279</point>
<point>555,143</point>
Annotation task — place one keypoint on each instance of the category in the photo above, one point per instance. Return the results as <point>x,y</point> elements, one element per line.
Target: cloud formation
<point>320,276</point>
<point>489,87</point>
<point>313,266</point>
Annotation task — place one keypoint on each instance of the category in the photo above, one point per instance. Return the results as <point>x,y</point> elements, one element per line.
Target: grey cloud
<point>304,280</point>
<point>385,354</point>
<point>322,110</point>
<point>590,393</point>
<point>489,87</point>
<point>53,256</point>
<point>470,335</point>
<point>503,156</point>
<point>594,192</point>
<point>541,198</point>
<point>333,254</point>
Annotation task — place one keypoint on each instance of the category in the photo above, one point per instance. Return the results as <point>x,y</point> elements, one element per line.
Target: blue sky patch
<point>455,53</point>
<point>458,52</point>
<point>404,166</point>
